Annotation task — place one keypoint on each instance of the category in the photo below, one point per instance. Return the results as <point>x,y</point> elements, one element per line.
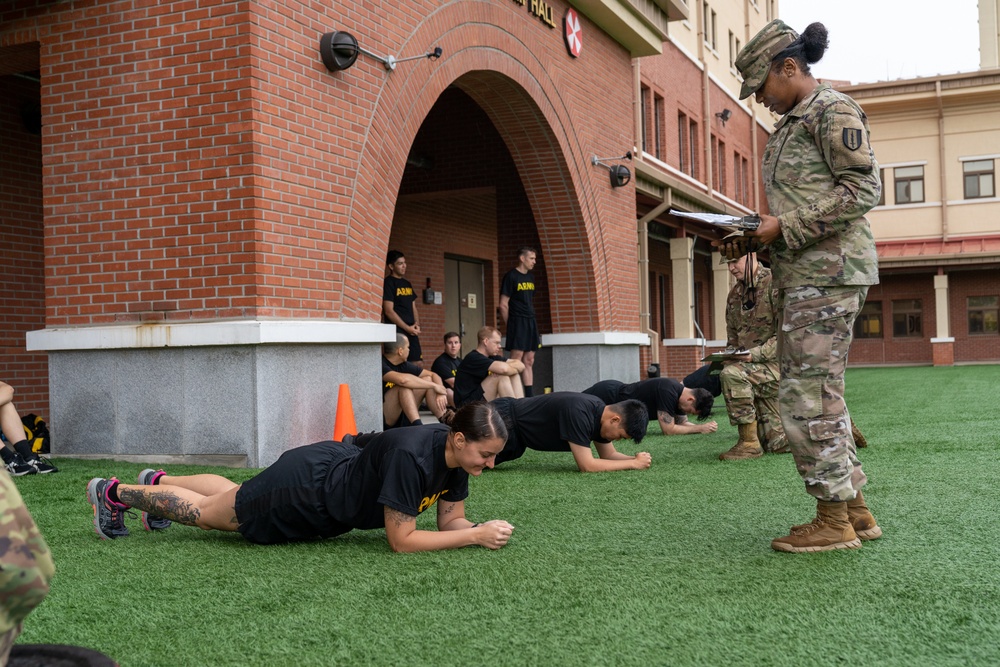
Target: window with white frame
<point>644,101</point>
<point>978,178</point>
<point>711,35</point>
<point>909,184</point>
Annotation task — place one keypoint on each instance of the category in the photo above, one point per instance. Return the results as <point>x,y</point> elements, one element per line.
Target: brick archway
<point>545,126</point>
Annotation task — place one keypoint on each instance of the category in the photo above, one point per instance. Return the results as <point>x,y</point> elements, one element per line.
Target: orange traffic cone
<point>344,424</point>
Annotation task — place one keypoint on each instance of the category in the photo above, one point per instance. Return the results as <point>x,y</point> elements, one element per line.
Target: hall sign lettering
<point>539,8</point>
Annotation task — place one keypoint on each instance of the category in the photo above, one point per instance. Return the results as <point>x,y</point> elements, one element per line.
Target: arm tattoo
<point>399,518</point>
<point>161,503</point>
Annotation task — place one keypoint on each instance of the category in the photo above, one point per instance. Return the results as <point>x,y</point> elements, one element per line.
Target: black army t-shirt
<point>659,395</point>
<point>400,292</point>
<point>520,289</point>
<point>446,367</point>
<point>470,375</point>
<point>403,469</point>
<point>551,421</point>
<point>403,367</point>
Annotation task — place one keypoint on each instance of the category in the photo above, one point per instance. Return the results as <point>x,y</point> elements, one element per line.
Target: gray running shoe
<point>109,519</point>
<point>148,477</point>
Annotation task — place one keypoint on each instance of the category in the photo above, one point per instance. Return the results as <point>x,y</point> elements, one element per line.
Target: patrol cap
<point>754,59</point>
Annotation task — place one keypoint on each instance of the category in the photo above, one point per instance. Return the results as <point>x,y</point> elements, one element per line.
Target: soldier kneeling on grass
<point>329,488</point>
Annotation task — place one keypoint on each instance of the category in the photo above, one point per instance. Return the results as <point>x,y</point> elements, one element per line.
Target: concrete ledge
<point>596,338</point>
<point>201,334</point>
<point>220,460</point>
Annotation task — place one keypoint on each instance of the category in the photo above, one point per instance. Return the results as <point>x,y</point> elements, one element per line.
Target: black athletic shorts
<point>511,449</point>
<point>522,334</point>
<point>416,354</point>
<point>285,502</point>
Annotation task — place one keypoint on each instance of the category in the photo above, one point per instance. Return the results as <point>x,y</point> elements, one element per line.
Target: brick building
<point>197,210</point>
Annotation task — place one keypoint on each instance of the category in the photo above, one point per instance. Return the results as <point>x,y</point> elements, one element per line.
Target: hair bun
<point>815,41</point>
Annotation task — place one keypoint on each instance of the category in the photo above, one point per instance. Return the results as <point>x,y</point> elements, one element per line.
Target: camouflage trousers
<point>815,337</point>
<point>7,643</point>
<point>26,566</point>
<point>751,393</point>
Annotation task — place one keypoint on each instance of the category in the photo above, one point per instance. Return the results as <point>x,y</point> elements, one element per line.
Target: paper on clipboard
<point>723,355</point>
<point>735,224</point>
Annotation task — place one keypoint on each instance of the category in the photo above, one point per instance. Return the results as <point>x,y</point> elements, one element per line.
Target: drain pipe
<point>941,157</point>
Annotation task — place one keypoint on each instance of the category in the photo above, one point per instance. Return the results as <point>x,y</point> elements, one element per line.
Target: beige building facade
<point>938,225</point>
<point>937,228</point>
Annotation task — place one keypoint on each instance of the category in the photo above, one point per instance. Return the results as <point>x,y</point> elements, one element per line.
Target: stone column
<point>682,280</point>
<point>581,359</point>
<point>943,344</point>
<point>720,288</point>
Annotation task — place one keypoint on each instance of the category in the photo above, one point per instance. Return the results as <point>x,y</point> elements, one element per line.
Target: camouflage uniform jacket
<point>820,178</point>
<point>25,561</point>
<point>754,330</point>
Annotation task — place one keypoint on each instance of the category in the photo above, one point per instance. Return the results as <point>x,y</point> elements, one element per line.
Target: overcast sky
<point>884,40</point>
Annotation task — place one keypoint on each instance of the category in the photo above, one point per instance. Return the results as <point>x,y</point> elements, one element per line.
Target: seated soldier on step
<point>485,374</point>
<point>404,385</point>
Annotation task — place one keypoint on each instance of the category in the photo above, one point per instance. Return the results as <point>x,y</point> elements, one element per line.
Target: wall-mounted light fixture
<point>724,115</point>
<point>619,173</point>
<point>340,49</point>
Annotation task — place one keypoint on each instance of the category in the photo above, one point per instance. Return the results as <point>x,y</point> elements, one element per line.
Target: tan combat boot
<point>830,530</point>
<point>859,437</point>
<point>862,519</point>
<point>747,447</point>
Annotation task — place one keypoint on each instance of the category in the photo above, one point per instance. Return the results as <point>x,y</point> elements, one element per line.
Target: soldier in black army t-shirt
<point>405,385</point>
<point>517,292</point>
<point>568,422</point>
<point>399,305</point>
<point>484,373</point>
<point>329,488</point>
<point>666,400</point>
<point>446,365</point>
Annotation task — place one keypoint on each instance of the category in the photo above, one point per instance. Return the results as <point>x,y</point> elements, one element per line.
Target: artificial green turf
<point>669,566</point>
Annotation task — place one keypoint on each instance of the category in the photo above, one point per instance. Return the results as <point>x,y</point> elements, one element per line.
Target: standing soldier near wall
<point>517,309</point>
<point>399,305</point>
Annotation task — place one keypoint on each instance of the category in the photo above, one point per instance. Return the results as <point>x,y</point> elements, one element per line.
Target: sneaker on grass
<point>109,516</point>
<point>42,465</point>
<point>148,477</point>
<point>17,466</point>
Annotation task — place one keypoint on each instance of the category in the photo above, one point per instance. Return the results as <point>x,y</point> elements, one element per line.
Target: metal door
<point>464,298</point>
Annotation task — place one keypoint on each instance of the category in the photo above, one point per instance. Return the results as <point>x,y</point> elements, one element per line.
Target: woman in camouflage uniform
<point>820,177</point>
<point>25,564</point>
